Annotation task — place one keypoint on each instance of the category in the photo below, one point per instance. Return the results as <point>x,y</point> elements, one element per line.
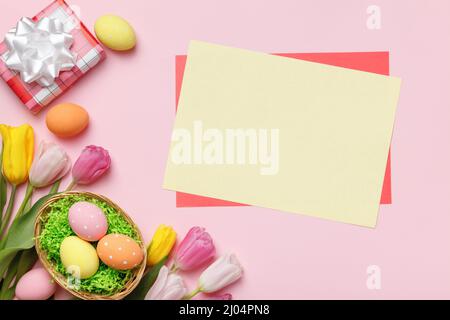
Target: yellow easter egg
<point>79,257</point>
<point>115,33</point>
<point>67,120</point>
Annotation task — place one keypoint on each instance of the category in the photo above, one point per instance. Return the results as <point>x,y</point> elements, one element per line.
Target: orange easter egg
<point>119,252</point>
<point>67,120</point>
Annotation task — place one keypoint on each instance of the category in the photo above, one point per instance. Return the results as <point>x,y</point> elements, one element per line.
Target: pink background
<point>131,99</point>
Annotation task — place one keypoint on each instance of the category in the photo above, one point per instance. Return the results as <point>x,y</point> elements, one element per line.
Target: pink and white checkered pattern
<point>89,54</point>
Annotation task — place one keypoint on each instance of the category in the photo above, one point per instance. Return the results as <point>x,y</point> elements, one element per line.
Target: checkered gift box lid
<point>88,50</point>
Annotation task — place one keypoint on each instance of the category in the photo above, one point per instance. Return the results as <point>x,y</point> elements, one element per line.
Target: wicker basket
<point>61,279</point>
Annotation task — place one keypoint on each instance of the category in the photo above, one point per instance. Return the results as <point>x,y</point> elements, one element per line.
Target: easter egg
<point>115,33</point>
<point>88,221</point>
<point>62,294</point>
<point>36,284</point>
<point>67,120</point>
<point>78,257</point>
<point>119,252</point>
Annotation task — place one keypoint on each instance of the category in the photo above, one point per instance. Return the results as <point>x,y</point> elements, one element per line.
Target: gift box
<point>83,52</point>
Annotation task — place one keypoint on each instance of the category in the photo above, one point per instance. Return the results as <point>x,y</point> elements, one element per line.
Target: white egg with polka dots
<point>119,251</point>
<point>88,221</point>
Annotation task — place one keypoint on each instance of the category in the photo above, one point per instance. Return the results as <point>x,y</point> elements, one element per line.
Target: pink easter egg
<point>62,294</point>
<point>36,284</point>
<point>88,221</point>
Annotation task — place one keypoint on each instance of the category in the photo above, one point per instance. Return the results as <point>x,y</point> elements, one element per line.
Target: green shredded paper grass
<point>106,281</point>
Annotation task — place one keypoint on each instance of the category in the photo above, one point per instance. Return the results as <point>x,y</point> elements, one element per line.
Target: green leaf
<point>6,256</point>
<point>21,232</point>
<point>9,277</point>
<point>20,265</point>
<point>20,236</point>
<point>27,260</point>
<point>146,282</point>
<point>9,294</point>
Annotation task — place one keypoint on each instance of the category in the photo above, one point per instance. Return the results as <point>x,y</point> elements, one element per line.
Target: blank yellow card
<point>282,133</point>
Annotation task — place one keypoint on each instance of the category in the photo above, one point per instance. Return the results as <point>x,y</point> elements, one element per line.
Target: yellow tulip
<point>161,245</point>
<point>18,149</point>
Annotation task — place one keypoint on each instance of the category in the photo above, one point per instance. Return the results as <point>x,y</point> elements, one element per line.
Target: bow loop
<point>39,51</point>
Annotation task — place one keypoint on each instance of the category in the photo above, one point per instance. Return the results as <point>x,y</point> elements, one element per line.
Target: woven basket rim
<point>59,278</point>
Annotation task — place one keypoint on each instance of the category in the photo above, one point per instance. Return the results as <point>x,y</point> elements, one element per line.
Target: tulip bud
<point>161,245</point>
<point>195,250</point>
<point>51,164</point>
<point>223,272</point>
<point>18,149</point>
<point>168,286</point>
<point>92,164</point>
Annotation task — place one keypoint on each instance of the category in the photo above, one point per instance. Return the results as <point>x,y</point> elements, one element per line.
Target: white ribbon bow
<point>39,51</point>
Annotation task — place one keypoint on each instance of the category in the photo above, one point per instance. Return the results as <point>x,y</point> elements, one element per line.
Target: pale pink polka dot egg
<point>88,221</point>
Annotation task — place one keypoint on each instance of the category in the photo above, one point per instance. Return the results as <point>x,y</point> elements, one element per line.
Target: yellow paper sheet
<point>282,133</point>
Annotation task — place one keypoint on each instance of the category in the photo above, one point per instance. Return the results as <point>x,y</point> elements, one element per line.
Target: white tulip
<point>223,272</point>
<point>168,286</point>
<point>51,164</point>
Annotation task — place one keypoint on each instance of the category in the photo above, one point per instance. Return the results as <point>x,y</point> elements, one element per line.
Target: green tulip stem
<point>192,294</point>
<point>8,211</point>
<point>55,187</point>
<point>71,186</point>
<point>27,197</point>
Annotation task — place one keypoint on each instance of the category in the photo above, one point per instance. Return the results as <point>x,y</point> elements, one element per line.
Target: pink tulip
<point>51,164</point>
<point>92,164</point>
<point>196,249</point>
<point>62,294</point>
